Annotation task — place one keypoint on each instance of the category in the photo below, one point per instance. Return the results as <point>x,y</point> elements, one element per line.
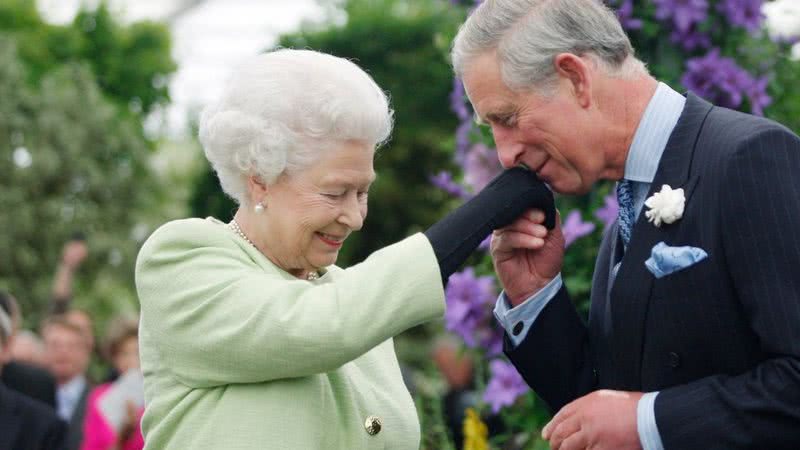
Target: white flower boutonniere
<point>665,206</point>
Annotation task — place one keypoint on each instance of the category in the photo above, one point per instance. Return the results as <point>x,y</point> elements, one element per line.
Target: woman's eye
<point>334,195</point>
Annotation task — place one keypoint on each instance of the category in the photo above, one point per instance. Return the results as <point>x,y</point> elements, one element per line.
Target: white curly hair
<point>280,109</point>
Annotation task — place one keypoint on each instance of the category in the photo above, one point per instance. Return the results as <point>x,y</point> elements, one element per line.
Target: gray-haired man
<point>707,357</point>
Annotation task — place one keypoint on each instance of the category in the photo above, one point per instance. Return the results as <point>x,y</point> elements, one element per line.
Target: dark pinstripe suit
<point>720,340</point>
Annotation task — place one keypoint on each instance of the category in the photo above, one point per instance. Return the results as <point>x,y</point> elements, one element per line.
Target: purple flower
<point>481,165</point>
<point>785,40</point>
<point>484,245</point>
<point>457,103</point>
<point>682,13</point>
<point>444,181</point>
<point>717,79</point>
<point>743,13</point>
<point>690,40</point>
<point>469,305</point>
<point>625,14</point>
<point>462,140</point>
<point>504,386</point>
<point>574,227</point>
<point>757,94</point>
<point>610,210</point>
<point>490,338</point>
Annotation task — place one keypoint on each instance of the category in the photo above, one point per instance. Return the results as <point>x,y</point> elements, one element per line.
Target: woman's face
<point>127,355</point>
<point>309,214</point>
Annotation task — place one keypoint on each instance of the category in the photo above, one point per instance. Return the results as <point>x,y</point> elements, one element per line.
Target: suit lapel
<point>600,324</point>
<point>80,408</point>
<point>630,292</point>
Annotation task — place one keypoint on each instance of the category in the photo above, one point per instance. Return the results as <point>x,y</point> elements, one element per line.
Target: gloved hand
<point>503,200</point>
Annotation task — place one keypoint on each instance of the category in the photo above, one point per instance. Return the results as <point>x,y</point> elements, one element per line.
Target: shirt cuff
<point>646,422</point>
<point>516,321</point>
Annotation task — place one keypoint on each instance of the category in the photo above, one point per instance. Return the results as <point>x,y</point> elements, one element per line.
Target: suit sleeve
<point>760,206</point>
<point>554,358</point>
<point>217,319</point>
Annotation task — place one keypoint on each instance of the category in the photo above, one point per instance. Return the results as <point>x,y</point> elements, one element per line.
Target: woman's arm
<point>218,318</point>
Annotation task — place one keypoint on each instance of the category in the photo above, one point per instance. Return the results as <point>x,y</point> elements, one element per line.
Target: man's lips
<point>537,169</point>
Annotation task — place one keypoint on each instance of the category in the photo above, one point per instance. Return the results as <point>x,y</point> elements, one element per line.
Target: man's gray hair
<point>528,34</point>
<point>280,109</point>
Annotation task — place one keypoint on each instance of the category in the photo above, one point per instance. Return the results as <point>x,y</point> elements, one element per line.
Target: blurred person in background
<point>27,347</point>
<point>251,337</point>
<point>68,355</point>
<point>19,374</point>
<point>457,369</point>
<point>73,254</point>
<point>25,423</point>
<point>83,321</point>
<point>121,347</point>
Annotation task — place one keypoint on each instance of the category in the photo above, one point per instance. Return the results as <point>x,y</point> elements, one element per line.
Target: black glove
<point>501,202</point>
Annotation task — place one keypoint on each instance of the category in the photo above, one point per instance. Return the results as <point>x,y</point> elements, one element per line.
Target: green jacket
<point>238,354</point>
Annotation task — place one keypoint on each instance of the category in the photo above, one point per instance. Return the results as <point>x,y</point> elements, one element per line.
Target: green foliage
<point>75,157</point>
<point>69,165</point>
<point>131,63</point>
<point>398,43</point>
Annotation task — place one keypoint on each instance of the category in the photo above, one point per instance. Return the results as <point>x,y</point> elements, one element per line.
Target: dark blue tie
<point>627,214</point>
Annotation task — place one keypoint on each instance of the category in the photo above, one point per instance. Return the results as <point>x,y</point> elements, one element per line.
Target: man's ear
<point>576,70</point>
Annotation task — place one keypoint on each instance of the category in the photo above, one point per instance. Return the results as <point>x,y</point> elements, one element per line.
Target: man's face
<point>553,136</point>
<point>67,352</point>
<point>27,349</point>
<point>82,320</point>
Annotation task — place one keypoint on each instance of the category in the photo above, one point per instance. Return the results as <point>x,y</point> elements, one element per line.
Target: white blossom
<point>665,206</point>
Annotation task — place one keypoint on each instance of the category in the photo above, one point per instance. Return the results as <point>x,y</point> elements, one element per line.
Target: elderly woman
<point>250,336</point>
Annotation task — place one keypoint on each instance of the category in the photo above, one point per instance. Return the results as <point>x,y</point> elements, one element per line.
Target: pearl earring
<point>259,208</point>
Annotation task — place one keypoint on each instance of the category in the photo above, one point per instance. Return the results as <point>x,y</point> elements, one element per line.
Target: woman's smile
<point>330,240</point>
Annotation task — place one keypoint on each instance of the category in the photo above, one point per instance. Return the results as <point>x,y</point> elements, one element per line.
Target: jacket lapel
<point>630,292</point>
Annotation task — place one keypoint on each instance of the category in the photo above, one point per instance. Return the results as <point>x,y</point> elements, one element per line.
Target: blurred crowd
<point>48,400</point>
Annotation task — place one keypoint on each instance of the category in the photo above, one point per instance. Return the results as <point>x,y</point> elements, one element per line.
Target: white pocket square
<point>665,260</point>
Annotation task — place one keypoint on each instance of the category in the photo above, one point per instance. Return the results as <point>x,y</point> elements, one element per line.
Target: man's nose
<point>508,151</point>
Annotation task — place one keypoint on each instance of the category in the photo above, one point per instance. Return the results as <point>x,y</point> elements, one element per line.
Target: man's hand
<point>74,253</point>
<point>601,420</point>
<point>526,255</point>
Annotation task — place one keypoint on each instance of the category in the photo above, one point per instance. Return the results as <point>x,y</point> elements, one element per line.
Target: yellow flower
<point>475,432</point>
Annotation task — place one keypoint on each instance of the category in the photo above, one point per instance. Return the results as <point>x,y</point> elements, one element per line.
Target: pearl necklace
<point>234,226</point>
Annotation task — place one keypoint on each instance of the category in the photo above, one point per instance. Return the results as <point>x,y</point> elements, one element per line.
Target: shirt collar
<point>650,140</point>
<point>73,387</point>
